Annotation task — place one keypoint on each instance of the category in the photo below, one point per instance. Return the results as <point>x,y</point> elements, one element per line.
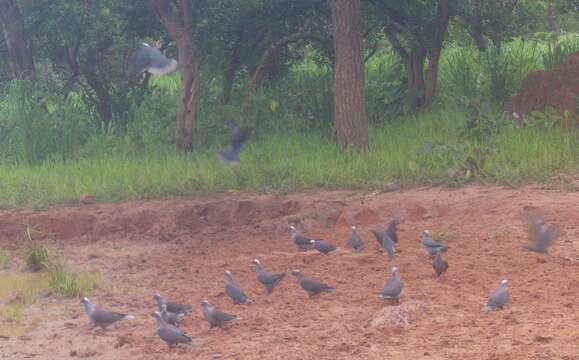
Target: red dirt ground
<point>180,248</point>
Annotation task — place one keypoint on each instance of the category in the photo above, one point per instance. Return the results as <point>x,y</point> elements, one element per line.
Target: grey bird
<point>355,240</point>
<point>103,318</point>
<point>234,291</point>
<point>214,316</point>
<point>392,230</point>
<point>393,286</point>
<point>169,317</point>
<point>439,264</point>
<point>540,236</point>
<point>170,334</point>
<point>499,298</point>
<point>149,58</point>
<point>431,246</point>
<point>268,280</point>
<point>312,286</point>
<point>171,306</point>
<point>239,136</point>
<point>301,241</point>
<point>323,246</point>
<point>385,241</point>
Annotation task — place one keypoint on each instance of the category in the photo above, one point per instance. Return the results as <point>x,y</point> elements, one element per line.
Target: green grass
<point>36,257</point>
<point>65,282</point>
<point>408,153</point>
<point>4,259</point>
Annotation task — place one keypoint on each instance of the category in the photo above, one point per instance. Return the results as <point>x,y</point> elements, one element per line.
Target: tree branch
<point>390,33</point>
<point>168,17</point>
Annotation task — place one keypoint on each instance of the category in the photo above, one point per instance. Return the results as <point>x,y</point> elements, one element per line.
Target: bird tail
<point>128,317</point>
<point>486,309</point>
<point>331,289</point>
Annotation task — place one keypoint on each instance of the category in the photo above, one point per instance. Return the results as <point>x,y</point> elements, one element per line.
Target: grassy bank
<point>426,151</point>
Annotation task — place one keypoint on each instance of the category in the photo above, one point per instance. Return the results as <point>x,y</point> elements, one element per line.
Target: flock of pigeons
<point>150,59</point>
<point>169,313</point>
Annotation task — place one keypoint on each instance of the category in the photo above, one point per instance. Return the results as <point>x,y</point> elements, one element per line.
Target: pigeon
<point>355,240</point>
<point>150,59</point>
<point>101,317</point>
<point>499,298</point>
<point>214,316</point>
<point>172,307</point>
<point>301,241</point>
<point>323,246</point>
<point>542,237</point>
<point>234,291</point>
<point>392,230</point>
<point>170,334</point>
<point>393,287</point>
<point>239,136</point>
<point>311,286</point>
<point>169,317</point>
<point>269,281</point>
<point>431,246</point>
<point>385,241</point>
<point>439,264</point>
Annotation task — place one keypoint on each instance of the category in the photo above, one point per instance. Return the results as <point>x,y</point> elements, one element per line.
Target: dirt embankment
<point>181,247</point>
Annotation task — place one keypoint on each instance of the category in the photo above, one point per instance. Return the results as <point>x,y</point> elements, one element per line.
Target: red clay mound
<point>558,89</point>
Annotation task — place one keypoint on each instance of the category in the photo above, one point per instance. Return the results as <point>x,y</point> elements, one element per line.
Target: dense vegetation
<point>80,125</point>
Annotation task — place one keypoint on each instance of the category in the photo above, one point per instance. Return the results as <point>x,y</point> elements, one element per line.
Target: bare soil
<point>180,248</point>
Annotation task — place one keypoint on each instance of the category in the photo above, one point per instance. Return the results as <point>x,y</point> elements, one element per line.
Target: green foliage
<point>559,49</point>
<point>37,257</point>
<point>4,259</point>
<point>65,282</point>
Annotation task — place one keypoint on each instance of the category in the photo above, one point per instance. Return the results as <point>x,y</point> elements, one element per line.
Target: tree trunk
<point>552,20</point>
<point>415,73</point>
<point>17,42</point>
<point>229,76</point>
<point>263,64</point>
<point>179,25</point>
<point>434,54</point>
<point>349,103</point>
<point>476,27</point>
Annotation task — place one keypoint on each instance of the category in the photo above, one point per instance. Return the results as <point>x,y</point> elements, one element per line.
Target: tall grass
<point>68,283</point>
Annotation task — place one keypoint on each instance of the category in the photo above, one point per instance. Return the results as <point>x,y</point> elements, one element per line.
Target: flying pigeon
<point>385,241</point>
<point>170,334</point>
<point>169,317</point>
<point>323,246</point>
<point>439,264</point>
<point>431,246</point>
<point>269,281</point>
<point>239,136</point>
<point>101,317</point>
<point>393,287</point>
<point>172,307</point>
<point>355,240</point>
<point>150,59</point>
<point>301,241</point>
<point>234,291</point>
<point>214,316</point>
<point>312,286</point>
<point>542,237</point>
<point>499,298</point>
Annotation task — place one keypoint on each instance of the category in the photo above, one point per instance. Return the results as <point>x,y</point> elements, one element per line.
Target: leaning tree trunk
<point>349,104</point>
<point>17,42</point>
<point>179,25</point>
<point>434,54</point>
